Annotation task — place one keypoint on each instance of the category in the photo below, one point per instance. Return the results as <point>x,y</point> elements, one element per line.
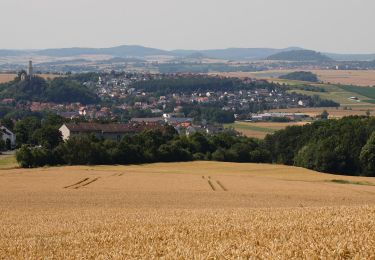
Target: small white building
<point>8,136</point>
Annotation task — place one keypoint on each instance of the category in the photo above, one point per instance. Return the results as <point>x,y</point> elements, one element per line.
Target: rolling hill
<point>351,57</point>
<point>300,55</point>
<point>131,51</point>
<point>120,51</point>
<point>236,53</point>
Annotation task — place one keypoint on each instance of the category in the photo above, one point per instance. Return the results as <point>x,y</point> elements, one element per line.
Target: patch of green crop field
<point>8,162</point>
<point>368,92</point>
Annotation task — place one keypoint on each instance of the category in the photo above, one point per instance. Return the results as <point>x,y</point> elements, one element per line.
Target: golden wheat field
<point>345,77</point>
<point>203,210</point>
<point>9,77</point>
<point>6,77</point>
<point>261,129</point>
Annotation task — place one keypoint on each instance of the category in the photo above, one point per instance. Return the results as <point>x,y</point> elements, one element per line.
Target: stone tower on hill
<point>30,69</point>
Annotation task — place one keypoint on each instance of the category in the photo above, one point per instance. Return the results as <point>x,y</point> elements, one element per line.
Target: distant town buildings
<point>102,131</point>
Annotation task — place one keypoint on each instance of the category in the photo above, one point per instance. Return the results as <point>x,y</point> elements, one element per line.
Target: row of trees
<point>345,146</point>
<point>301,76</point>
<point>150,146</point>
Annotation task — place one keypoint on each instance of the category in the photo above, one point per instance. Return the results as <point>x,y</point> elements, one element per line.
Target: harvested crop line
<point>211,185</point>
<point>81,181</point>
<point>117,174</point>
<point>87,183</point>
<point>221,186</point>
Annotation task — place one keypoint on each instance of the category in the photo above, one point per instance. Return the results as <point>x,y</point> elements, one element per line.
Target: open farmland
<point>6,77</point>
<point>333,112</point>
<point>344,77</point>
<point>347,77</point>
<point>260,129</point>
<point>185,210</point>
<point>9,77</point>
<point>8,162</point>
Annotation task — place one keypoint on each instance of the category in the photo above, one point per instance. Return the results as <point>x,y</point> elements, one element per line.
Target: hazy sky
<point>325,25</point>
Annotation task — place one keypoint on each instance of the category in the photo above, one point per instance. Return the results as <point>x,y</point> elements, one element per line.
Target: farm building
<point>8,137</point>
<point>105,131</point>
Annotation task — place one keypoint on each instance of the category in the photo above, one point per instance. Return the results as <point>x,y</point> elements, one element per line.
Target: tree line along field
<point>185,210</point>
<point>333,112</point>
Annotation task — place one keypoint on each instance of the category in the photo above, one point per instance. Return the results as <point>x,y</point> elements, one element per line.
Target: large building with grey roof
<point>103,131</point>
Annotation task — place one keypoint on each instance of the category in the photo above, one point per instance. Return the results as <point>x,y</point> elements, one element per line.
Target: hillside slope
<point>300,55</point>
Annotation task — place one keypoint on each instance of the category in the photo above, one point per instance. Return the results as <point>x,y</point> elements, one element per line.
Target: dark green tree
<point>367,157</point>
<point>47,136</point>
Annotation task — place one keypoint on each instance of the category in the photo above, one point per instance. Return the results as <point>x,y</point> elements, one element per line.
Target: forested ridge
<point>58,90</point>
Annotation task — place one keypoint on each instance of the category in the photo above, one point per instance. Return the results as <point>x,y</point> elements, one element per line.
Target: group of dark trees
<point>300,56</point>
<point>301,76</point>
<point>212,114</point>
<point>316,101</point>
<point>190,84</point>
<point>160,145</point>
<point>36,130</point>
<point>344,146</point>
<point>59,90</point>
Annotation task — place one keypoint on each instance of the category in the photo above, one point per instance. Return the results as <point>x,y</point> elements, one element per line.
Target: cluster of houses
<point>119,89</point>
<point>183,125</point>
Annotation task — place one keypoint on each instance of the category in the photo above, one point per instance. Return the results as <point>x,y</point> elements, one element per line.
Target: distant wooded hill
<point>127,51</point>
<point>59,90</point>
<point>300,55</point>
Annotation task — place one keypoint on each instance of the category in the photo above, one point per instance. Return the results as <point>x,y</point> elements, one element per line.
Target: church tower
<point>30,69</point>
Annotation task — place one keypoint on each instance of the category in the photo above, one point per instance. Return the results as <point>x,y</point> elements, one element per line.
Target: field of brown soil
<point>199,210</point>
